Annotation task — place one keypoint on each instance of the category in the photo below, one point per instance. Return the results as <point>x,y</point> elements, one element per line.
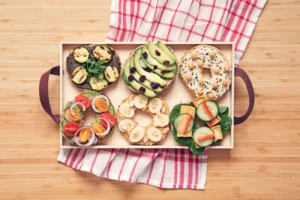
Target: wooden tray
<point>175,94</point>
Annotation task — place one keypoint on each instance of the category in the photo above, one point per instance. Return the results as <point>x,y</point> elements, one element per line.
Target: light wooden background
<point>265,163</point>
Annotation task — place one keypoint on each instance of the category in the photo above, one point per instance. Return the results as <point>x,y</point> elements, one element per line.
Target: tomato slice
<point>83,99</point>
<point>71,128</point>
<point>109,117</point>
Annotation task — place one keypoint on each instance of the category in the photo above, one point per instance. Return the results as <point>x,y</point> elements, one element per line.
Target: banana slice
<point>126,125</point>
<point>126,110</point>
<point>140,101</point>
<point>136,134</point>
<point>155,105</point>
<point>161,120</point>
<point>154,134</point>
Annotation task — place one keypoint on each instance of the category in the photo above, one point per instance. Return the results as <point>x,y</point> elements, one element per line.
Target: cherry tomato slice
<point>83,99</point>
<point>109,117</point>
<point>71,128</point>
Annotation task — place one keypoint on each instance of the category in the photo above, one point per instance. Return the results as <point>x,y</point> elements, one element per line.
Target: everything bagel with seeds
<point>206,57</point>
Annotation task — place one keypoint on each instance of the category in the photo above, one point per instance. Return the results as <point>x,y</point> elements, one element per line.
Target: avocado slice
<point>162,73</point>
<point>149,59</point>
<point>166,50</point>
<point>141,79</point>
<point>149,76</point>
<point>159,55</point>
<point>128,78</point>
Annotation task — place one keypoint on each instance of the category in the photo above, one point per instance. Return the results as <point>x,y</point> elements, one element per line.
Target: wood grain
<point>265,163</point>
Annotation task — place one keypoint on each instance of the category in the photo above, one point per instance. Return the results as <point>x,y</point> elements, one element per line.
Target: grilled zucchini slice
<point>98,84</point>
<point>111,74</point>
<point>103,53</point>
<point>81,54</point>
<point>79,75</point>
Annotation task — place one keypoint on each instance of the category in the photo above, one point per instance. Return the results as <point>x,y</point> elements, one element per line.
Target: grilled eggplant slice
<point>111,74</point>
<point>81,54</point>
<point>98,84</point>
<point>79,75</point>
<point>103,53</point>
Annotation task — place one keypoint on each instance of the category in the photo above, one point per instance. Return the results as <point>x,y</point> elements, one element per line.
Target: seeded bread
<point>206,57</point>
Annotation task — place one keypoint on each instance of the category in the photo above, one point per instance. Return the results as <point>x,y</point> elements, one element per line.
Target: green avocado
<point>166,50</point>
<point>149,76</point>
<point>159,72</point>
<point>134,84</point>
<point>150,60</point>
<point>159,55</point>
<point>145,83</point>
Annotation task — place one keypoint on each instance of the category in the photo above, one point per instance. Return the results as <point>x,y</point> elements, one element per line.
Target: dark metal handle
<point>44,93</point>
<point>242,74</point>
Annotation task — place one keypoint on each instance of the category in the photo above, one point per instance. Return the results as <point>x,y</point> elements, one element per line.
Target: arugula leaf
<point>94,68</point>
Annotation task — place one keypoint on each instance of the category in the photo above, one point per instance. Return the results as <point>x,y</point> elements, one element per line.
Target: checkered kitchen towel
<point>173,20</point>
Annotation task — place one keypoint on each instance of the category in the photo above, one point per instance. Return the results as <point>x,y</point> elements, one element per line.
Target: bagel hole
<point>142,118</point>
<point>206,73</point>
<point>89,117</point>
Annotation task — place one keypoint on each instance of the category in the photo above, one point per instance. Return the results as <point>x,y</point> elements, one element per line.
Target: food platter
<point>174,94</point>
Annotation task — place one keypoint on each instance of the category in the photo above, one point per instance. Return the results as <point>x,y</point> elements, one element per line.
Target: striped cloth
<point>173,20</point>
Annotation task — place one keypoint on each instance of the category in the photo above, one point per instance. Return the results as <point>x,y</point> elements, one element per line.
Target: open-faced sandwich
<point>72,123</point>
<point>208,58</point>
<point>93,67</point>
<point>136,134</point>
<point>213,123</point>
<point>150,69</point>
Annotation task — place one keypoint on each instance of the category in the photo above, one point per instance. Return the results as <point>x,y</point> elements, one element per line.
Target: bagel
<point>203,57</point>
<point>82,71</point>
<point>72,119</point>
<point>148,135</point>
<point>150,74</point>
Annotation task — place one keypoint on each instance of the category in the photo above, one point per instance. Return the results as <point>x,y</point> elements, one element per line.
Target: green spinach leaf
<point>223,109</point>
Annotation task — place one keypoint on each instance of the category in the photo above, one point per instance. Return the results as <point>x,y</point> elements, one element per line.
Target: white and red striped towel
<point>173,20</point>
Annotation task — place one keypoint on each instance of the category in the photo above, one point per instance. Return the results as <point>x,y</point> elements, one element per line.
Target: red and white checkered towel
<point>173,20</point>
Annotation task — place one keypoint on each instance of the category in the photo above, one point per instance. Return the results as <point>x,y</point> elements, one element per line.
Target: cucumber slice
<point>200,132</point>
<point>180,123</point>
<point>202,113</point>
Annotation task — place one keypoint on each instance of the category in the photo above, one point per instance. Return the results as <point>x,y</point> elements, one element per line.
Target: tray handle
<point>44,93</point>
<point>242,74</point>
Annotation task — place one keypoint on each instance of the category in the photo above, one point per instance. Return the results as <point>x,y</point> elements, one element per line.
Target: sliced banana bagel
<point>148,135</point>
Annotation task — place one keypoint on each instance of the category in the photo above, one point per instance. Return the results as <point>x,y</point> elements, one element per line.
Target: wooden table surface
<point>265,163</point>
